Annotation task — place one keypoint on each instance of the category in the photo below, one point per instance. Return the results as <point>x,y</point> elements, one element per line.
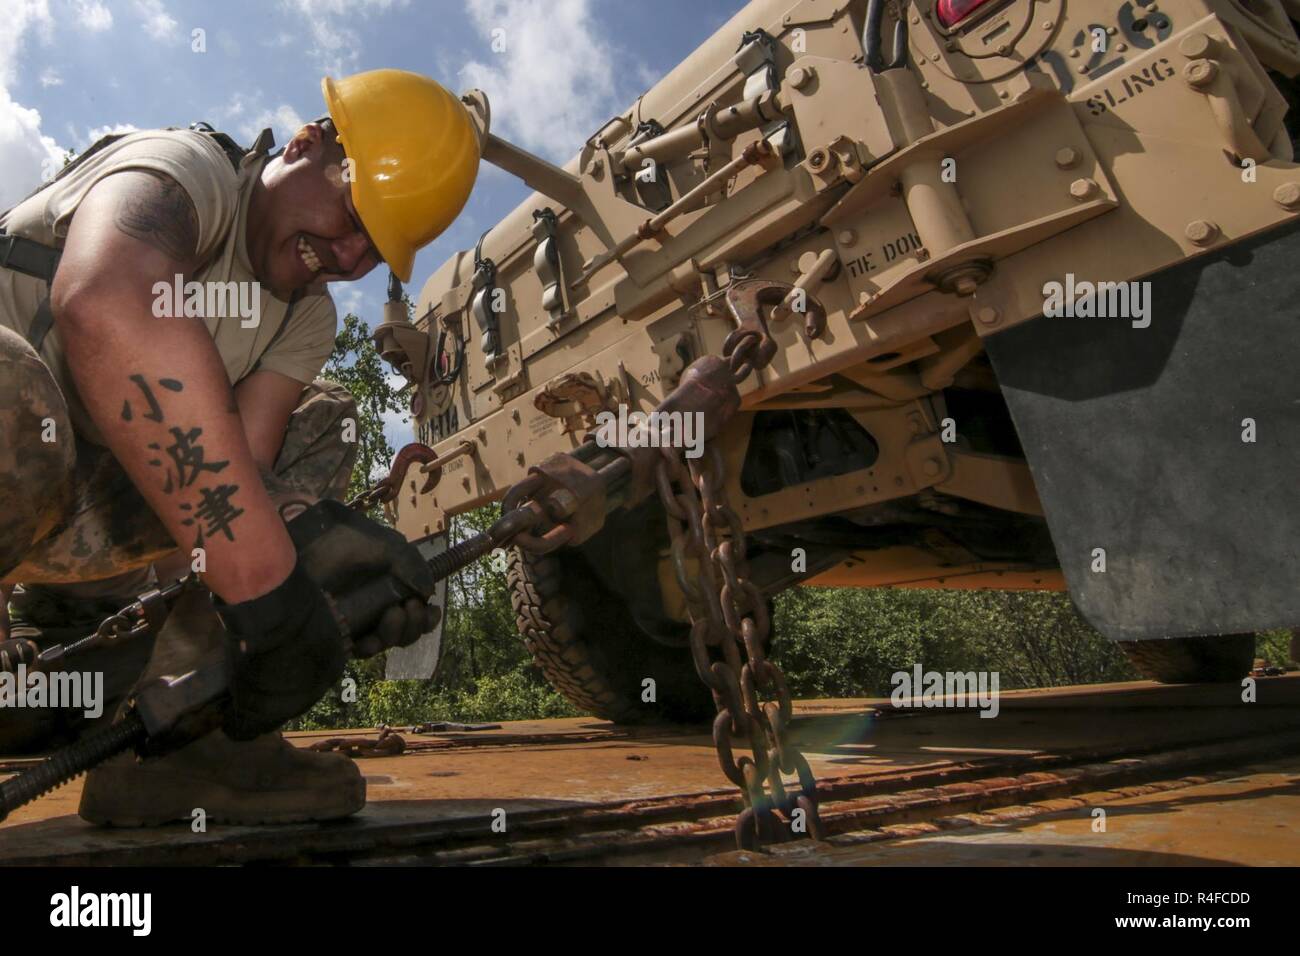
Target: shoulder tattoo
<point>162,214</point>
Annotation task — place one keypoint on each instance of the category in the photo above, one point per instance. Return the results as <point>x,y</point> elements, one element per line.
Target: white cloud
<point>92,15</point>
<point>26,154</point>
<point>98,131</point>
<point>50,77</point>
<point>335,45</point>
<point>553,83</point>
<point>283,121</point>
<point>247,114</point>
<point>348,300</point>
<point>158,23</point>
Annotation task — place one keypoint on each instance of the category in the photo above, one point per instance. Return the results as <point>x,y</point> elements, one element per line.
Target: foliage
<point>847,642</point>
<point>356,365</point>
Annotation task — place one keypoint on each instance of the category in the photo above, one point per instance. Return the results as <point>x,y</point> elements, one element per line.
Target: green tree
<point>356,366</point>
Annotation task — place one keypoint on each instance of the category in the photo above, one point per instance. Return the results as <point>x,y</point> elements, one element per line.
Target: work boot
<point>264,780</point>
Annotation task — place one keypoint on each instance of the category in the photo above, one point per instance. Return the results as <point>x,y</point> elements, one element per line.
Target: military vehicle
<point>1020,283</point>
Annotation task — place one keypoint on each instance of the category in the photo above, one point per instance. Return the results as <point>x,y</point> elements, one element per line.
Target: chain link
<point>389,743</point>
<point>730,628</point>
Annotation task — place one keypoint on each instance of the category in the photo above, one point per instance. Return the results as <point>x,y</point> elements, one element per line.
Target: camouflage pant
<point>80,540</point>
<point>69,513</point>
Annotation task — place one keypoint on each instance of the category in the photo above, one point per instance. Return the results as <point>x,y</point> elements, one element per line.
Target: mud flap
<point>1135,440</point>
<point>420,660</point>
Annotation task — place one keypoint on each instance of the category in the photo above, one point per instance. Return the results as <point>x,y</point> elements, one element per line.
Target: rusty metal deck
<point>1186,775</point>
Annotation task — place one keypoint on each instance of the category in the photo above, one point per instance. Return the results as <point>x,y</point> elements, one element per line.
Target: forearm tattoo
<point>184,464</point>
<point>161,213</point>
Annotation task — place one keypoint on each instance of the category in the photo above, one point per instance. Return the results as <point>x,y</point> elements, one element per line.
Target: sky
<point>72,70</point>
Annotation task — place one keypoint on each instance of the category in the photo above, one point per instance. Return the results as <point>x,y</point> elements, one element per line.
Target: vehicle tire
<point>1193,660</point>
<point>588,645</point>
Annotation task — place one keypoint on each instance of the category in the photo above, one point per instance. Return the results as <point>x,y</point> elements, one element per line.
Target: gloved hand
<point>341,550</point>
<point>285,651</point>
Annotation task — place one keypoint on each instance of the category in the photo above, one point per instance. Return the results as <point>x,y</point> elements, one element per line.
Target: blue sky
<point>73,69</point>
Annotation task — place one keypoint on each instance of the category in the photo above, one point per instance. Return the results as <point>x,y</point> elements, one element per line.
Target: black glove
<point>341,550</point>
<point>285,651</point>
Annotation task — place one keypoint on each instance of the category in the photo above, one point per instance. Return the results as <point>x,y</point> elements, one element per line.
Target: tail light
<point>950,12</point>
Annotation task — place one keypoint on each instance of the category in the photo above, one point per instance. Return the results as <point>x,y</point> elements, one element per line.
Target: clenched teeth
<point>308,255</point>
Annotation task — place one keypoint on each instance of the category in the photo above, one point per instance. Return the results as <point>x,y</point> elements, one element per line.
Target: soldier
<point>142,430</point>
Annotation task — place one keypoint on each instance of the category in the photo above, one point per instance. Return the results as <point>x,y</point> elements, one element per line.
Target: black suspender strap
<point>28,257</point>
<point>42,322</point>
<point>39,261</point>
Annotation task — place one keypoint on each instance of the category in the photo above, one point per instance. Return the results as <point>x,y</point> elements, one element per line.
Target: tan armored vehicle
<point>1019,279</point>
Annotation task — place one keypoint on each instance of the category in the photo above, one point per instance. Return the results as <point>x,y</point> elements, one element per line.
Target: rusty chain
<point>730,623</point>
<point>389,743</point>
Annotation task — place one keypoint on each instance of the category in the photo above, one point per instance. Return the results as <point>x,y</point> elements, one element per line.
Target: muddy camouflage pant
<point>74,531</point>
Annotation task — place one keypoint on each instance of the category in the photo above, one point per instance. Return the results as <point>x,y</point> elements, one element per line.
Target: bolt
<point>1121,47</point>
<point>966,285</point>
<point>922,255</point>
<point>1200,73</point>
<point>799,77</point>
<point>1083,67</point>
<point>848,237</point>
<point>950,46</point>
<point>1287,195</point>
<point>916,19</point>
<point>1201,232</point>
<point>931,467</point>
<point>1152,8</point>
<point>1002,50</point>
<point>1110,31</point>
<point>1083,189</point>
<point>1048,24</point>
<point>987,315</point>
<point>1074,53</point>
<point>1067,157</point>
<point>817,159</point>
<point>934,57</point>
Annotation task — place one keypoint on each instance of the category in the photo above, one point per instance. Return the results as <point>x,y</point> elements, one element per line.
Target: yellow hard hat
<point>415,154</point>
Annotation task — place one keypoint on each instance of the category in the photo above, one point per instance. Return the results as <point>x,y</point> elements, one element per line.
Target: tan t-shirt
<point>297,348</point>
